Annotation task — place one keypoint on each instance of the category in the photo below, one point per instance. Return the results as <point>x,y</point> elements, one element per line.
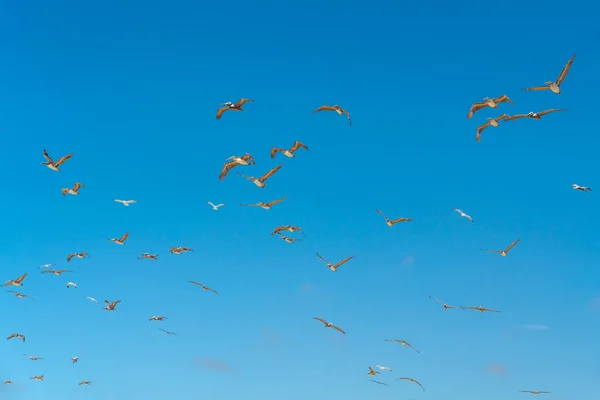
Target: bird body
<point>37,377</point>
<point>71,284</point>
<point>215,207</point>
<point>74,359</point>
<point>157,318</point>
<point>581,188</point>
<point>179,250</point>
<point>383,368</point>
<point>84,383</point>
<point>148,256</point>
<point>462,214</point>
<point>111,306</point>
<point>372,372</point>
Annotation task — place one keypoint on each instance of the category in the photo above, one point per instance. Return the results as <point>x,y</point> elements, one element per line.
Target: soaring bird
<point>392,222</point>
<point>215,207</point>
<point>337,109</point>
<point>16,282</point>
<point>372,372</point>
<point>179,250</point>
<point>231,106</point>
<point>74,359</point>
<point>19,295</point>
<point>446,306</point>
<point>377,382</point>
<point>8,382</point>
<point>33,358</point>
<point>288,239</point>
<point>55,165</point>
<point>288,228</point>
<point>120,240</point>
<point>534,115</point>
<point>91,299</point>
<point>157,318</point>
<point>581,188</point>
<point>71,284</point>
<point>16,336</point>
<point>167,332</point>
<point>56,272</point>
<point>233,162</point>
<point>334,267</point>
<point>263,205</point>
<point>37,377</point>
<point>74,190</point>
<point>504,252</point>
<point>205,288</point>
<point>411,380</point>
<point>555,86</point>
<point>260,182</point>
<point>462,214</point>
<point>403,343</point>
<point>126,203</point>
<point>148,256</point>
<point>111,306</point>
<point>329,324</point>
<point>381,367</point>
<point>77,255</point>
<point>84,383</point>
<point>288,152</point>
<point>47,266</point>
<point>491,122</point>
<point>480,309</point>
<point>488,102</point>
<point>533,392</point>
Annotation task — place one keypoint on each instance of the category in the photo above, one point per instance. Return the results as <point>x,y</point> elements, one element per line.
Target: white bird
<point>383,368</point>
<point>126,203</point>
<point>582,188</point>
<point>91,298</point>
<point>69,284</point>
<point>462,214</point>
<point>74,359</point>
<point>215,207</point>
<point>47,265</point>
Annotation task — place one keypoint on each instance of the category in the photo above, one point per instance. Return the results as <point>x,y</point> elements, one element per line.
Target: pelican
<point>215,207</point>
<point>288,152</point>
<point>37,377</point>
<point>488,102</point>
<point>73,284</point>
<point>33,358</point>
<point>148,256</point>
<point>263,205</point>
<point>462,214</point>
<point>534,115</point>
<point>480,309</point>
<point>121,240</point>
<point>403,343</point>
<point>260,182</point>
<point>288,228</point>
<point>446,306</point>
<point>16,336</point>
<point>581,188</point>
<point>111,306</point>
<point>84,383</point>
<point>231,106</point>
<point>77,255</point>
<point>381,367</point>
<point>179,250</point>
<point>126,203</point>
<point>533,392</point>
<point>288,239</point>
<point>56,272</point>
<point>55,166</point>
<point>555,86</point>
<point>205,288</point>
<point>91,299</point>
<point>337,109</point>
<point>411,380</point>
<point>74,190</point>
<point>157,318</point>
<point>377,382</point>
<point>504,252</point>
<point>372,372</point>
<point>16,282</point>
<point>491,122</point>
<point>74,359</point>
<point>167,332</point>
<point>233,162</point>
<point>390,222</point>
<point>334,267</point>
<point>19,295</point>
<point>329,324</point>
<point>8,382</point>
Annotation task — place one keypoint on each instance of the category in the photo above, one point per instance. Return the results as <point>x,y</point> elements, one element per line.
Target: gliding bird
<point>488,102</point>
<point>504,252</point>
<point>555,86</point>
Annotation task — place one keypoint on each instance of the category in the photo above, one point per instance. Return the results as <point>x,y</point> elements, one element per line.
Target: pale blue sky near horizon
<point>132,87</point>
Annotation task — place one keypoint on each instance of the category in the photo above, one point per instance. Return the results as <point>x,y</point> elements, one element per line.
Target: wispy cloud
<point>496,369</point>
<point>214,365</point>
<point>534,327</point>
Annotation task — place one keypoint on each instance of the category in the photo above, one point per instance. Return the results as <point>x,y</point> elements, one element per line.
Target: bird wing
<point>209,203</point>
<point>345,260</point>
<point>49,271</point>
<point>349,118</point>
<point>226,167</point>
<point>12,335</point>
<point>381,212</point>
<point>64,191</point>
<point>491,251</point>
<point>114,303</point>
<point>47,157</point>
<point>550,111</point>
<point>271,203</point>
<point>339,329</point>
<point>270,173</point>
<point>77,186</point>
<point>564,72</point>
<point>278,229</point>
<point>324,260</point>
<point>296,146</point>
<point>436,300</point>
<point>545,87</point>
<point>243,101</point>
<point>20,279</point>
<point>63,159</point>
<point>124,237</point>
<point>274,151</point>
<point>516,116</point>
<point>321,319</point>
<point>212,290</point>
<point>512,245</point>
<point>220,111</point>
<point>70,256</point>
<point>476,107</point>
<point>503,99</point>
<point>248,157</point>
<point>501,117</point>
<point>526,391</point>
<point>395,221</point>
<point>325,108</point>
<point>195,283</point>
<point>480,129</point>
<point>418,383</point>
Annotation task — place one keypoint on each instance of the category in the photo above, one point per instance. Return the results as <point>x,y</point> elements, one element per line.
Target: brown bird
<point>56,272</point>
<point>233,162</point>
<point>110,306</point>
<point>337,109</point>
<point>16,282</point>
<point>555,86</point>
<point>288,239</point>
<point>179,250</point>
<point>20,295</point>
<point>533,392</point>
<point>74,359</point>
<point>55,165</point>
<point>84,383</point>
<point>266,206</point>
<point>37,377</point>
<point>288,228</point>
<point>77,255</point>
<point>533,115</point>
<point>504,252</point>
<point>205,288</point>
<point>403,343</point>
<point>32,358</point>
<point>288,152</point>
<point>329,324</point>
<point>8,382</point>
<point>480,309</point>
<point>488,102</point>
<point>334,267</point>
<point>390,222</point>
<point>372,372</point>
<point>148,256</point>
<point>231,106</point>
<point>260,182</point>
<point>583,189</point>
<point>411,380</point>
<point>74,190</point>
<point>491,122</point>
<point>167,332</point>
<point>121,240</point>
<point>16,336</point>
<point>157,318</point>
<point>377,382</point>
<point>446,306</point>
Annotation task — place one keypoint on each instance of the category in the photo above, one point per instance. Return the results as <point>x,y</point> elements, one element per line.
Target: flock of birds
<point>248,160</point>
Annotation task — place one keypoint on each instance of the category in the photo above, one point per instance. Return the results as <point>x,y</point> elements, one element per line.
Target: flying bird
<point>288,239</point>
<point>488,102</point>
<point>337,109</point>
<point>334,267</point>
<point>37,377</point>
<point>504,252</point>
<point>260,182</point>
<point>8,382</point>
<point>581,188</point>
<point>462,214</point>
<point>16,282</point>
<point>157,318</point>
<point>111,306</point>
<point>288,152</point>
<point>19,295</point>
<point>205,288</point>
<point>179,250</point>
<point>74,359</point>
<point>56,272</point>
<point>392,222</point>
<point>263,205</point>
<point>16,336</point>
<point>403,343</point>
<point>74,190</point>
<point>167,332</point>
<point>234,107</point>
<point>491,122</point>
<point>55,165</point>
<point>555,86</point>
<point>33,358</point>
<point>215,207</point>
<point>372,372</point>
<point>84,383</point>
<point>381,367</point>
<point>288,228</point>
<point>47,265</point>
<point>73,284</point>
<point>446,306</point>
<point>329,324</point>
<point>126,203</point>
<point>534,115</point>
<point>91,298</point>
<point>411,380</point>
<point>377,382</point>
<point>480,309</point>
<point>533,392</point>
<point>77,255</point>
<point>148,256</point>
<point>121,240</point>
<point>233,162</point>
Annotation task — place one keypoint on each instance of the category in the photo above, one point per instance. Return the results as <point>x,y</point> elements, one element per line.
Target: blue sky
<point>132,88</point>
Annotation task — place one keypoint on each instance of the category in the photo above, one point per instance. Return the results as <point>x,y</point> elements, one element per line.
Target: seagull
<point>47,265</point>
<point>205,288</point>
<point>231,106</point>
<point>491,122</point>
<point>17,336</point>
<point>462,214</point>
<point>179,250</point>
<point>446,306</point>
<point>288,152</point>
<point>16,282</point>
<point>266,206</point>
<point>84,383</point>
<point>74,190</point>
<point>534,115</point>
<point>69,284</point>
<point>329,324</point>
<point>403,343</point>
<point>334,267</point>
<point>233,162</point>
<point>56,272</point>
<point>260,182</point>
<point>372,372</point>
<point>383,368</point>
<point>37,377</point>
<point>148,256</point>
<point>337,109</point>
<point>555,86</point>
<point>377,382</point>
<point>533,392</point>
<point>167,332</point>
<point>390,222</point>
<point>411,380</point>
<point>488,102</point>
<point>288,239</point>
<point>121,240</point>
<point>19,295</point>
<point>480,309</point>
<point>77,255</point>
<point>32,358</point>
<point>216,208</point>
<point>55,165</point>
<point>91,298</point>
<point>111,306</point>
<point>288,228</point>
<point>504,252</point>
<point>126,203</point>
<point>157,318</point>
<point>74,359</point>
<point>581,188</point>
